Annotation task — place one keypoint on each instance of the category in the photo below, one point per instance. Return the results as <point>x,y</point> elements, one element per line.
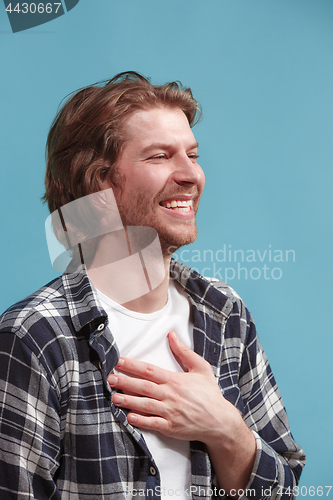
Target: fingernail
<point>132,418</point>
<point>120,362</point>
<point>112,379</point>
<point>118,398</point>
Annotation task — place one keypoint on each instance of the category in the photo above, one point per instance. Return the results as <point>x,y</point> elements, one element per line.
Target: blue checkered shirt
<point>62,437</point>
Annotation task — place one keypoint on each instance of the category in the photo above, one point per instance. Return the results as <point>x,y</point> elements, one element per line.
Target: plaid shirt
<point>62,437</point>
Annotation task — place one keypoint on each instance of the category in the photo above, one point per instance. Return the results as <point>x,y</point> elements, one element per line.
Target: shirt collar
<point>82,300</point>
<point>204,292</point>
<point>84,306</point>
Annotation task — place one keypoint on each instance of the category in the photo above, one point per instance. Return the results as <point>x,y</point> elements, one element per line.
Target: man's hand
<point>186,405</point>
<point>189,406</point>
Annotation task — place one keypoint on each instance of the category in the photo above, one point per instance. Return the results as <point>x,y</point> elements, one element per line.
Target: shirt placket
<point>102,342</point>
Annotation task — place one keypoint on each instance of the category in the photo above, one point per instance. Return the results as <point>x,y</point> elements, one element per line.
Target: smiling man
<point>162,182</point>
<point>168,393</point>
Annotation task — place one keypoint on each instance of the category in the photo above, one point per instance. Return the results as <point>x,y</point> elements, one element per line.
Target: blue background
<point>263,72</point>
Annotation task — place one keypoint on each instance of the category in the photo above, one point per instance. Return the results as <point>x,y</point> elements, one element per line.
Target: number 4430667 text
<point>34,8</point>
<point>303,491</point>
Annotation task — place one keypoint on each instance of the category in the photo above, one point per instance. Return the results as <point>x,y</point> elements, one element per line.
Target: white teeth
<point>182,205</point>
<point>179,205</point>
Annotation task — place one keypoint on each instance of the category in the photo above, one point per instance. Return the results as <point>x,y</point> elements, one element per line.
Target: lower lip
<point>179,213</point>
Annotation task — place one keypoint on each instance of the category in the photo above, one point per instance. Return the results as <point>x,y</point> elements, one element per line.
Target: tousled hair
<point>88,134</point>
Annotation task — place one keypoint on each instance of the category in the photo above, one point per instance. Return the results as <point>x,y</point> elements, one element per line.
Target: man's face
<point>161,181</point>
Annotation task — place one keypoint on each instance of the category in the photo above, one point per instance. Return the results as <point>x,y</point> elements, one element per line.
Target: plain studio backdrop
<point>263,72</point>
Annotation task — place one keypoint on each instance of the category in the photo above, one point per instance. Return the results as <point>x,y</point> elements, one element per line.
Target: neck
<point>125,280</point>
<point>152,301</point>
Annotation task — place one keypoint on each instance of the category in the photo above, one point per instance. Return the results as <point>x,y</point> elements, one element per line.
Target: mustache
<point>164,195</point>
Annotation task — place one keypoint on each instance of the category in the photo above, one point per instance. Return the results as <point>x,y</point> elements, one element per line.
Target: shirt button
<point>152,471</point>
<point>100,327</point>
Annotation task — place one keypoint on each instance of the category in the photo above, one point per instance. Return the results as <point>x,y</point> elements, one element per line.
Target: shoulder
<point>50,329</point>
<point>50,298</point>
<point>67,304</point>
<point>199,285</point>
<point>212,293</point>
<point>61,311</point>
<point>31,330</point>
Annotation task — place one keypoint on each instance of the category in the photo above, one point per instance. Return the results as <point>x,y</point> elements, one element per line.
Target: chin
<point>174,241</point>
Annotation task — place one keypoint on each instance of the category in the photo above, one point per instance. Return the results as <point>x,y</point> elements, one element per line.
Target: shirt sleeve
<point>279,460</point>
<point>29,424</point>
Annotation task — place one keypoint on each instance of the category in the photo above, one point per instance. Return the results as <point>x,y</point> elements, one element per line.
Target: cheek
<point>152,180</point>
<point>142,184</point>
<point>139,190</point>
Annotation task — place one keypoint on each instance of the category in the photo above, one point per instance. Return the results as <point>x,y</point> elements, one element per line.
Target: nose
<point>188,172</point>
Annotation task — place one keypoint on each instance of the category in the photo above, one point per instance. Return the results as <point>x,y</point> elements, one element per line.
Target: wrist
<point>226,430</point>
<point>232,451</point>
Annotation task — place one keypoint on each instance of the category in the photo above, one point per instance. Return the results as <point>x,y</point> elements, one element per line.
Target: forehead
<point>159,122</point>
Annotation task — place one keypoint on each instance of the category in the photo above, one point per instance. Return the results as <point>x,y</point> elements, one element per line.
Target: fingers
<point>136,386</point>
<point>151,423</point>
<point>185,356</point>
<point>172,403</point>
<point>146,371</point>
<point>139,395</point>
<point>188,360</point>
<point>143,405</point>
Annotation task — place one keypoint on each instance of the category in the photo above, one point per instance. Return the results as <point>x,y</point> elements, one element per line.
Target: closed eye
<point>158,157</point>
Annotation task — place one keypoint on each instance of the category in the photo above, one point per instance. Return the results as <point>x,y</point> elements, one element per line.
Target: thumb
<point>188,359</point>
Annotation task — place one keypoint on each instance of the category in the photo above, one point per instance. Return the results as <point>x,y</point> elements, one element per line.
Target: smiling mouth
<point>179,205</point>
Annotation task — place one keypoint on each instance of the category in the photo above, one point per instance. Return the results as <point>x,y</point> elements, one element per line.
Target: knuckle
<point>147,387</point>
<point>149,406</point>
<point>174,398</point>
<point>155,424</point>
<point>175,383</point>
<point>149,369</point>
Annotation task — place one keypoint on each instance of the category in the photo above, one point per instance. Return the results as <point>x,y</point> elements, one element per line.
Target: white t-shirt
<point>144,337</point>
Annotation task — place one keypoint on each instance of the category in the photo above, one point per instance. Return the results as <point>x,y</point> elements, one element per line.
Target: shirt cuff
<point>265,472</point>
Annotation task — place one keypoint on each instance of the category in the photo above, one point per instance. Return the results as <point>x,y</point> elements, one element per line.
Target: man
<point>190,407</point>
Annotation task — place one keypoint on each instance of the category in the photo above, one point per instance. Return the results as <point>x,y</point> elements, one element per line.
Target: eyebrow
<point>165,146</point>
